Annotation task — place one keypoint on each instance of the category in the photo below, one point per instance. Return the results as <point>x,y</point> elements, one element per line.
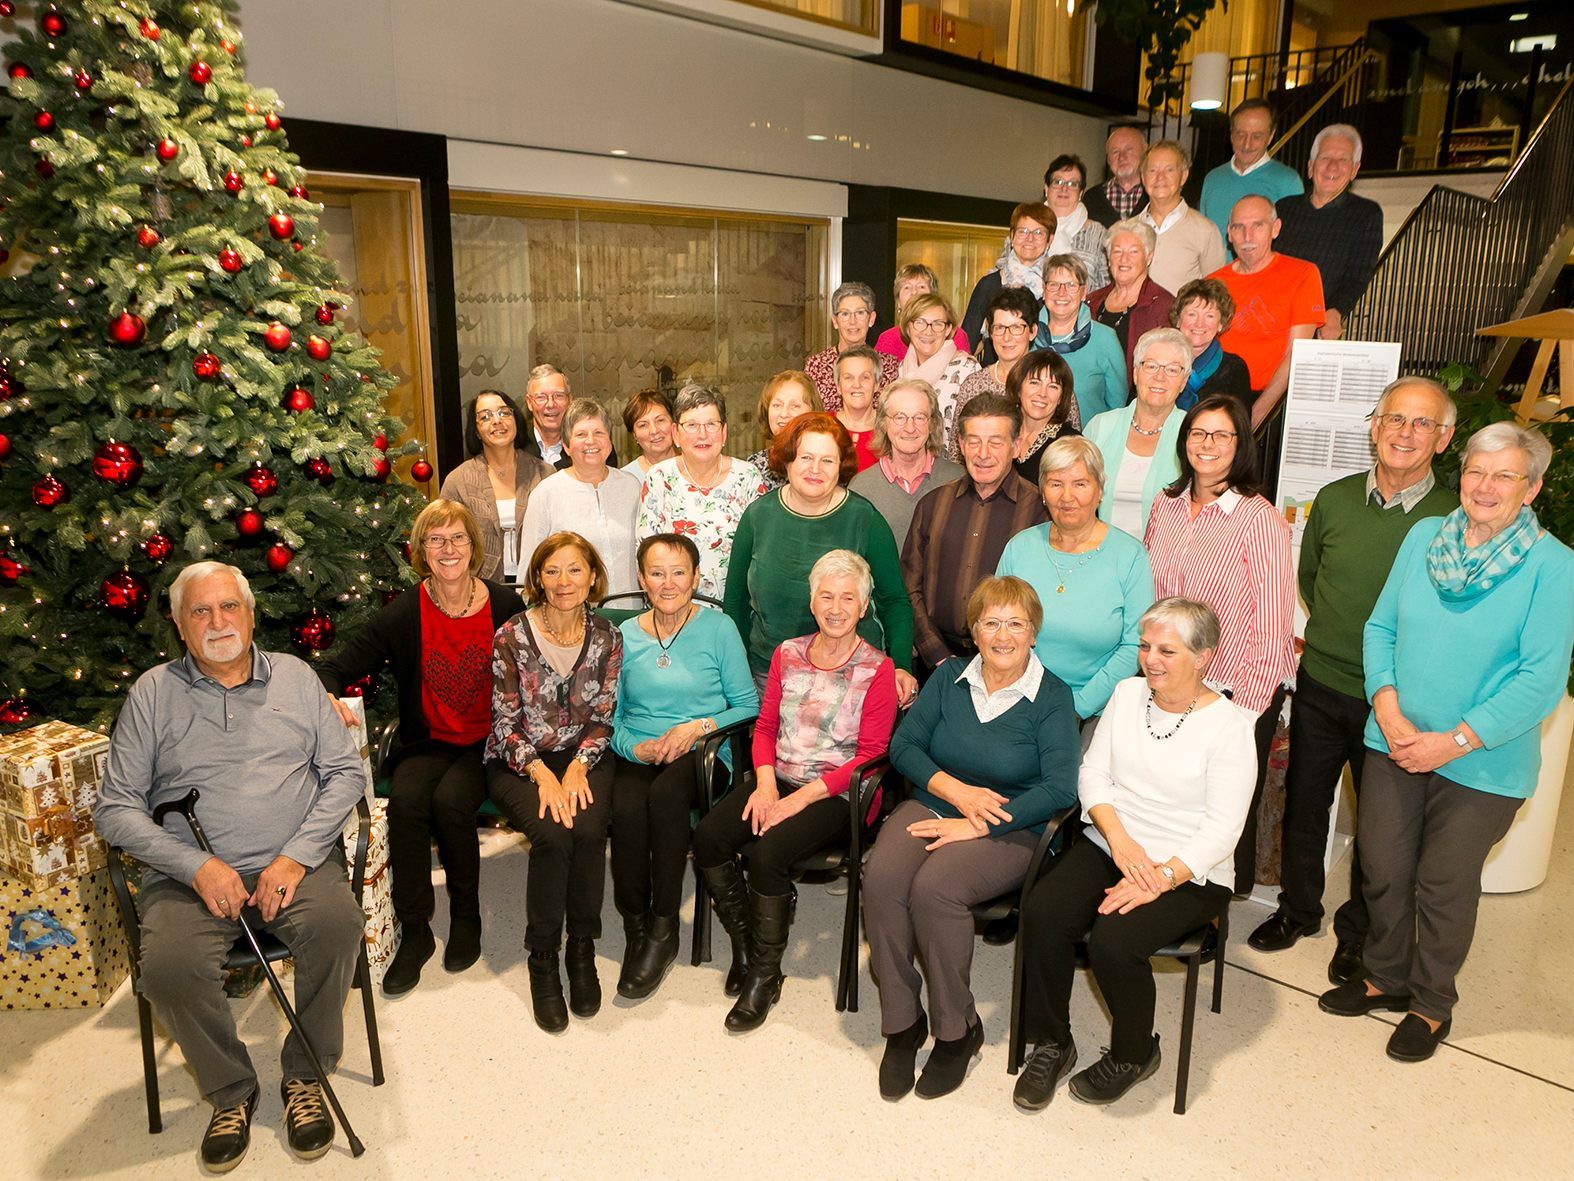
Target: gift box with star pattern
<point>64,946</point>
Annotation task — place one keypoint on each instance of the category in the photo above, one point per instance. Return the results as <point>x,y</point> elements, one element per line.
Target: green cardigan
<point>1108,433</point>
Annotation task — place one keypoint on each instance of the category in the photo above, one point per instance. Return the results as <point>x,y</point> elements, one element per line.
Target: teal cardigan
<point>1108,433</point>
<point>1098,368</point>
<point>1499,663</point>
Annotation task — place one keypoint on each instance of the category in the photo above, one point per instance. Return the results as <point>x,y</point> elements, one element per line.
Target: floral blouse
<point>534,710</point>
<point>762,460</point>
<point>672,504</point>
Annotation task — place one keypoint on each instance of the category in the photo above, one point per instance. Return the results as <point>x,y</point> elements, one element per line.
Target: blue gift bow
<point>54,934</point>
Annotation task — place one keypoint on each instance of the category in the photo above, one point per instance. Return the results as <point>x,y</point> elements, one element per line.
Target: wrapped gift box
<point>382,930</point>
<point>64,947</point>
<point>49,777</point>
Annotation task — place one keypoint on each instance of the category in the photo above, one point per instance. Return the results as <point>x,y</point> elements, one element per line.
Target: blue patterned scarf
<point>1462,573</point>
<point>1070,343</point>
<point>1204,367</point>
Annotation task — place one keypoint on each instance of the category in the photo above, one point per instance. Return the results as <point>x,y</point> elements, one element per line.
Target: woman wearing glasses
<point>932,356</point>
<point>1132,303</point>
<point>437,640</point>
<point>1021,264</point>
<point>1091,349</point>
<point>852,315</point>
<point>907,441</point>
<point>1212,537</point>
<point>1011,319</point>
<point>1139,441</point>
<point>1076,233</point>
<point>496,481</point>
<point>701,494</point>
<point>991,752</point>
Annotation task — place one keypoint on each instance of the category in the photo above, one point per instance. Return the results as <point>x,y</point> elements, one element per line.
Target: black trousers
<point>1327,731</point>
<point>723,834</point>
<point>650,834</point>
<point>1246,847</point>
<point>568,866</point>
<point>1062,909</point>
<point>434,793</point>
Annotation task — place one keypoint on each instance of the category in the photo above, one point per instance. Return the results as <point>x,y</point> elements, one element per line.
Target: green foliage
<point>1162,28</point>
<point>83,193</point>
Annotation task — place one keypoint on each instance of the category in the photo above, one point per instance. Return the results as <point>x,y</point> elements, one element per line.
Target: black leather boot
<point>416,946</point>
<point>770,916</point>
<point>633,941</point>
<point>656,955</point>
<point>584,986</point>
<point>546,991</point>
<point>731,899</point>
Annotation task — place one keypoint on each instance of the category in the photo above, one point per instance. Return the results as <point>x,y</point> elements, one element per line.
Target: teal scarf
<point>1076,339</point>
<point>1204,367</point>
<point>1462,573</point>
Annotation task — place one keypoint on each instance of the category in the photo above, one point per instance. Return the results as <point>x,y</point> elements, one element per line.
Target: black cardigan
<point>393,638</point>
<point>984,290</point>
<point>1230,378</point>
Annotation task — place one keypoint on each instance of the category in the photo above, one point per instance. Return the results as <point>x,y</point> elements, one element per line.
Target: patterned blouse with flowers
<point>673,503</point>
<point>534,710</point>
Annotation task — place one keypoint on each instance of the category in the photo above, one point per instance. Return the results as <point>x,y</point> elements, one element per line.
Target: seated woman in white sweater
<point>1165,786</point>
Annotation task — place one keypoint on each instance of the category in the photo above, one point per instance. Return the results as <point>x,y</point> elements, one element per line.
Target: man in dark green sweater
<point>1352,537</point>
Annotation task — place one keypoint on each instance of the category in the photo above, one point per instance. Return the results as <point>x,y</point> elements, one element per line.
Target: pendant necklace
<point>1064,572</point>
<point>431,593</point>
<point>665,660</point>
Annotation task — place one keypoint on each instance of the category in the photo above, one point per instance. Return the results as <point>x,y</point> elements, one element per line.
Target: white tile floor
<point>659,1089</point>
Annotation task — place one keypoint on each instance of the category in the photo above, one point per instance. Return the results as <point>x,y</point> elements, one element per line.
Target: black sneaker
<point>946,1067</point>
<point>1352,1000</point>
<point>416,946</point>
<point>1413,1040</point>
<point>1048,1064</point>
<point>306,1118</point>
<point>1107,1080</point>
<point>228,1137</point>
<point>898,1066</point>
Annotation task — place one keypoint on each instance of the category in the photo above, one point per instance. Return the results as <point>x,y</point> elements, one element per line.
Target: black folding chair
<point>241,955</point>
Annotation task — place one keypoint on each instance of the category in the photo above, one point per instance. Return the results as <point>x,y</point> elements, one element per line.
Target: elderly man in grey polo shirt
<point>279,775</point>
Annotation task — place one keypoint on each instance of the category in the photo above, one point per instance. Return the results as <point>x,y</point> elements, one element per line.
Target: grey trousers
<point>181,974</point>
<point>1423,840</point>
<point>919,903</point>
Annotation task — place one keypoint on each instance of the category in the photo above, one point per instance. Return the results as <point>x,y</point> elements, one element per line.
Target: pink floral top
<point>674,504</point>
<point>821,368</point>
<point>534,710</point>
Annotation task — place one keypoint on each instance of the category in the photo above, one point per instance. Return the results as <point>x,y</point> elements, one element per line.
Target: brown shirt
<point>953,544</point>
<point>469,485</point>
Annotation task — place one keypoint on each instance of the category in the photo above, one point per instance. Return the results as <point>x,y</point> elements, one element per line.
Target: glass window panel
<point>859,15</point>
<point>1044,38</point>
<point>959,254</point>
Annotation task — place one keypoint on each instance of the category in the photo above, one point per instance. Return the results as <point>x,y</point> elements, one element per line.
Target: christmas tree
<point>174,384</point>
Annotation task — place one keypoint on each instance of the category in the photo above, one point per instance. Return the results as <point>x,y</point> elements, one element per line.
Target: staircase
<point>1460,261</point>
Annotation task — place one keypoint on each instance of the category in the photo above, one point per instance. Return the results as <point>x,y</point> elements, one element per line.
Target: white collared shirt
<point>1261,160</point>
<point>989,706</point>
<point>1170,218</point>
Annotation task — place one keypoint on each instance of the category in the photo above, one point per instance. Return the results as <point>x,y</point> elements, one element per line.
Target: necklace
<point>1143,433</point>
<point>572,638</point>
<point>689,476</point>
<point>1173,730</point>
<point>431,593</point>
<point>1066,573</point>
<point>664,660</point>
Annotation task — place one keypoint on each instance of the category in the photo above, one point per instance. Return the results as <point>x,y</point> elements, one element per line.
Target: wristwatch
<point>584,760</point>
<point>1169,873</point>
<point>707,725</point>
<point>1459,739</point>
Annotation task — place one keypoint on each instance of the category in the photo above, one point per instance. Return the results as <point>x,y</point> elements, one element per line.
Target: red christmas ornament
<point>388,596</point>
<point>276,336</point>
<point>300,192</point>
<point>15,710</point>
<point>117,464</point>
<point>260,480</point>
<point>10,387</point>
<point>318,348</point>
<point>5,446</point>
<point>125,595</point>
<point>320,470</point>
<point>245,141</point>
<point>82,80</point>
<point>50,493</point>
<point>248,522</point>
<point>365,688</point>
<point>12,569</point>
<point>298,400</point>
<point>7,8</point>
<point>405,548</point>
<point>313,631</point>
<point>295,245</point>
<point>44,168</point>
<point>148,237</point>
<point>380,442</point>
<point>272,121</point>
<point>381,469</point>
<point>166,150</point>
<point>325,314</point>
<point>279,557</point>
<point>149,29</point>
<point>421,471</point>
<point>227,45</point>
<point>127,329</point>
<point>234,182</point>
<point>281,225</point>
<point>53,24</point>
<point>158,547</point>
<point>43,120</point>
<point>269,177</point>
<point>206,366</point>
<point>230,261</point>
<point>19,70</point>
<point>200,73</point>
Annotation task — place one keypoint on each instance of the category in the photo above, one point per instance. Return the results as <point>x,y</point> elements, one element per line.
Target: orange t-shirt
<point>1287,292</point>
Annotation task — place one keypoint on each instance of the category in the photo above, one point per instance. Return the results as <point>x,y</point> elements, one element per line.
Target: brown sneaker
<point>306,1118</point>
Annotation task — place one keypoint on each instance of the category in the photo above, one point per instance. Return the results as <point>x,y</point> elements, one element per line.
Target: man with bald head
<point>1122,194</point>
<point>1352,535</point>
<point>1278,299</point>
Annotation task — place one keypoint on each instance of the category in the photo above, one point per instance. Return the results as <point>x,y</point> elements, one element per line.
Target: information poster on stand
<point>1334,385</point>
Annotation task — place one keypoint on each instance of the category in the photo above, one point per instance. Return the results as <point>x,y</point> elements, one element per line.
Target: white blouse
<point>603,514</point>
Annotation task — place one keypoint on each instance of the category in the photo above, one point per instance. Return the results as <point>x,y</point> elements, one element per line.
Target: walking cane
<point>187,807</point>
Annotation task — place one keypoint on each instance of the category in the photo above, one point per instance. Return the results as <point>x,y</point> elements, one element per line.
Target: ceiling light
<point>619,152</point>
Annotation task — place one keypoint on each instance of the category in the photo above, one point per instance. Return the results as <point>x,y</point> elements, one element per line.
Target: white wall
<point>590,76</point>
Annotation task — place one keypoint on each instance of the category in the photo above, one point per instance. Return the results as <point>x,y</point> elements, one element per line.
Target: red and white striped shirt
<point>1235,557</point>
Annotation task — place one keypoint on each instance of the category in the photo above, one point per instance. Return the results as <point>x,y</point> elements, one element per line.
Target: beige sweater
<point>469,485</point>
<point>1190,249</point>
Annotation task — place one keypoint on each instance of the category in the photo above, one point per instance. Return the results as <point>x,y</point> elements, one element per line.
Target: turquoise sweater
<point>708,678</point>
<point>1223,187</point>
<point>1499,662</point>
<point>1029,754</point>
<point>1108,433</point>
<point>1098,368</point>
<point>1089,636</point>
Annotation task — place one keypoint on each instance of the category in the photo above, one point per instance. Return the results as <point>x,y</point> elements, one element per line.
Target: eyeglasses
<point>851,314</point>
<point>459,541</point>
<point>1495,479</point>
<point>1031,235</point>
<point>928,325</point>
<point>1065,184</point>
<point>550,397</point>
<point>709,427</point>
<point>1070,285</point>
<point>485,416</point>
<point>1204,438</point>
<point>1012,627</point>
<point>907,419</point>
<point>1398,422</point>
<point>1153,369</point>
<point>1010,331</point>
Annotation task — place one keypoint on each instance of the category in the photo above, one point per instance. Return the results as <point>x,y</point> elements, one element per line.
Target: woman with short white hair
<point>852,315</point>
<point>1132,302</point>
